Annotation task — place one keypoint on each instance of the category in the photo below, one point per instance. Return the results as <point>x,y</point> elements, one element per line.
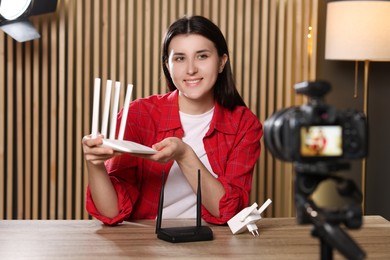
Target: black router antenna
<point>199,203</point>
<point>160,204</point>
<point>183,234</point>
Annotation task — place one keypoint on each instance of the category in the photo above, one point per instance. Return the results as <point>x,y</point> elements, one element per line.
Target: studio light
<point>14,17</point>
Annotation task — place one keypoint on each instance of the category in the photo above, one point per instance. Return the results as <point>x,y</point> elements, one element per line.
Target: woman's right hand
<point>102,190</point>
<point>94,153</point>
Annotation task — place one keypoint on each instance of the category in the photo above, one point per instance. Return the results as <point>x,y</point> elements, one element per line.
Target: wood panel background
<point>46,87</point>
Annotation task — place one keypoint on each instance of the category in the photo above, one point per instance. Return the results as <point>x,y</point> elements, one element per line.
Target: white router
<point>117,144</point>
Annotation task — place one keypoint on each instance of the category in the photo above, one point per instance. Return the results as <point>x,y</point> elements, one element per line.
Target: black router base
<point>185,234</point>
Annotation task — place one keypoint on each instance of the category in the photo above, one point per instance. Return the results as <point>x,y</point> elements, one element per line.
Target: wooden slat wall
<point>46,87</point>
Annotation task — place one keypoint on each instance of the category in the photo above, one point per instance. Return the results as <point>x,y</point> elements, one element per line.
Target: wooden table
<point>280,238</point>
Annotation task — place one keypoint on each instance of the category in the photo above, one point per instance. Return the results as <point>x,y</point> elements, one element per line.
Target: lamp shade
<point>358,30</point>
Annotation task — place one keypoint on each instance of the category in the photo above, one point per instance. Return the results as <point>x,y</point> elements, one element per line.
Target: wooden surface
<point>280,238</point>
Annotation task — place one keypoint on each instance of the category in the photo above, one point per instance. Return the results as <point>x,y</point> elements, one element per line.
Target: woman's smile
<point>193,82</point>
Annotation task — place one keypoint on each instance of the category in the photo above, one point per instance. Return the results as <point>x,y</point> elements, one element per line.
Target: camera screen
<point>321,141</point>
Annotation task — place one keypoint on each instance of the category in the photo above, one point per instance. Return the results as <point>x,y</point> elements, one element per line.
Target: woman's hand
<point>171,148</point>
<point>94,153</point>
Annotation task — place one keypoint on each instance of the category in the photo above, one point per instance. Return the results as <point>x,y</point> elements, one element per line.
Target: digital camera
<point>316,131</point>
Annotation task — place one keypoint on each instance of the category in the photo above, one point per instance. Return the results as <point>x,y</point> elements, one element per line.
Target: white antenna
<point>114,112</point>
<point>264,206</point>
<point>125,111</point>
<point>117,144</point>
<point>106,109</point>
<point>95,113</point>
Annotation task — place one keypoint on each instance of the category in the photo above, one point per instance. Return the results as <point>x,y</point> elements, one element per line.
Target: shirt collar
<point>222,120</point>
<point>170,118</point>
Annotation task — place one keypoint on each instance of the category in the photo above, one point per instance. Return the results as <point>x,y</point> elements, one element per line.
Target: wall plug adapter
<point>247,218</point>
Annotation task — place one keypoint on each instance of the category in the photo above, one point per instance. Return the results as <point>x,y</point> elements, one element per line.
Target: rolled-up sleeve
<point>233,158</point>
<point>126,187</point>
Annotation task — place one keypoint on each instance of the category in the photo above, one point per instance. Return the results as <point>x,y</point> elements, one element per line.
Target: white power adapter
<point>247,218</point>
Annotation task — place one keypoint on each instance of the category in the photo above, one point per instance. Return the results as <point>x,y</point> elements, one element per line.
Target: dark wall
<point>341,76</point>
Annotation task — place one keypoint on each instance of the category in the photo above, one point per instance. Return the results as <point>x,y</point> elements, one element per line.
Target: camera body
<point>316,131</point>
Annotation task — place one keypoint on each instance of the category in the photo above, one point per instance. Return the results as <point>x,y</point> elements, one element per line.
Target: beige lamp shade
<point>358,30</point>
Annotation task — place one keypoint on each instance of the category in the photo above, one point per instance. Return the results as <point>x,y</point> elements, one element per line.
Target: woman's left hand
<point>171,148</point>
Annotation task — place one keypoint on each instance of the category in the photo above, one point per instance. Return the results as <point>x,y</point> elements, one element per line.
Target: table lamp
<point>358,31</point>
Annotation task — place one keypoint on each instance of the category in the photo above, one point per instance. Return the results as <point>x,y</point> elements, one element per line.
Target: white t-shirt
<point>179,198</point>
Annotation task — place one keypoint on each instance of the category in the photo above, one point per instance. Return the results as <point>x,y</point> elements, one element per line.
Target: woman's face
<point>194,64</point>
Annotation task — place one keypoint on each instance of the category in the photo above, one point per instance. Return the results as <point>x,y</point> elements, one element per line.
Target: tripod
<point>325,221</point>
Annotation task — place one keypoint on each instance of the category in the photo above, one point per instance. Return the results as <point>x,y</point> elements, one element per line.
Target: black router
<point>183,234</point>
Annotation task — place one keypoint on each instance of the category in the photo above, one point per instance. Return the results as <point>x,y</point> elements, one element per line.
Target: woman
<point>202,123</point>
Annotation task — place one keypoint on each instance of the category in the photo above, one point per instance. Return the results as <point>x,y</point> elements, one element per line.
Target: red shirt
<point>232,145</point>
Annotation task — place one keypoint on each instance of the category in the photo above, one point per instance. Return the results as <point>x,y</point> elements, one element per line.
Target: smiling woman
<point>191,130</point>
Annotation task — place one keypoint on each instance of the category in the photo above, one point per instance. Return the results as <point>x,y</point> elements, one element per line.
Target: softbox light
<point>14,17</point>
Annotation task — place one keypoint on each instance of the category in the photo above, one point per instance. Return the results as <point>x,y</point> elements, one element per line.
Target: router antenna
<point>95,111</point>
<point>160,204</point>
<point>199,203</point>
<point>264,206</point>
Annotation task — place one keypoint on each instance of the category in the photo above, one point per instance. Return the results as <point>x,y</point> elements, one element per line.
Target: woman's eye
<point>202,56</point>
<point>179,58</point>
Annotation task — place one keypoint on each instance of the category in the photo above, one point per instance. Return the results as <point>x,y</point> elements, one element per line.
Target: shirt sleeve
<point>236,162</point>
<point>126,190</point>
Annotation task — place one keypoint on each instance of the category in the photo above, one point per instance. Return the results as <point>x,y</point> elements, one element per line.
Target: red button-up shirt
<point>232,145</point>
